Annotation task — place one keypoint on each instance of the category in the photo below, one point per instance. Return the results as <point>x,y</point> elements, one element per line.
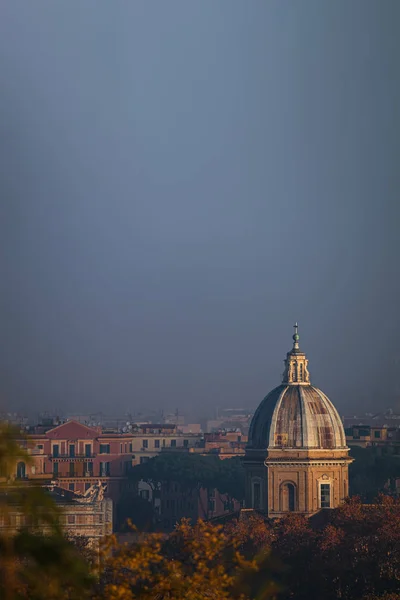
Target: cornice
<point>308,463</point>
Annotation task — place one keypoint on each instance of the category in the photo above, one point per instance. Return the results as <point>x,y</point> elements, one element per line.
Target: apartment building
<point>89,515</point>
<point>368,435</point>
<point>77,456</point>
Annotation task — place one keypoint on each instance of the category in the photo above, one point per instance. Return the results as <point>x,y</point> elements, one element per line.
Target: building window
<point>288,497</point>
<point>130,447</point>
<point>145,443</point>
<point>211,505</point>
<point>377,434</point>
<point>89,469</point>
<point>145,494</point>
<point>71,519</point>
<point>325,495</point>
<point>40,446</point>
<point>156,443</point>
<point>301,373</point>
<point>120,448</point>
<point>104,469</point>
<point>104,448</point>
<point>21,470</point>
<point>72,450</point>
<point>173,443</point>
<point>71,470</point>
<point>56,450</point>
<point>88,450</point>
<point>185,443</point>
<point>71,487</point>
<point>55,469</point>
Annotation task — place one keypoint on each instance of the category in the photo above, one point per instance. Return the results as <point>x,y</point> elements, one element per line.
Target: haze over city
<point>183,181</point>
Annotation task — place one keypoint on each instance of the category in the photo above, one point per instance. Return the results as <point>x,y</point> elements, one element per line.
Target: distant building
<point>89,516</point>
<point>297,458</point>
<point>77,456</point>
<point>367,435</point>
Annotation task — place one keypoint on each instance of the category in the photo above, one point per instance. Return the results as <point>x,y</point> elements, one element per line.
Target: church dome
<point>296,414</point>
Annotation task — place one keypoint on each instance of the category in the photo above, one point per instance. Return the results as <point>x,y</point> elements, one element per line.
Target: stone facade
<point>297,458</point>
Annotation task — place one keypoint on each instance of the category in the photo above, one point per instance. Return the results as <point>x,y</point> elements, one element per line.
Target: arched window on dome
<point>287,497</point>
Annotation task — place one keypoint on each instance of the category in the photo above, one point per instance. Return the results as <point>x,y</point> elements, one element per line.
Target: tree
<point>372,469</point>
<point>352,552</point>
<point>193,471</point>
<point>193,563</point>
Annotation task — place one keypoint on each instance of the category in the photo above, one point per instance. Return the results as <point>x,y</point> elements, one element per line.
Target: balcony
<point>76,457</point>
<point>85,475</point>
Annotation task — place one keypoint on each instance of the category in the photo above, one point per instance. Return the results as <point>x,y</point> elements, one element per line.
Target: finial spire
<point>296,337</point>
<point>296,363</point>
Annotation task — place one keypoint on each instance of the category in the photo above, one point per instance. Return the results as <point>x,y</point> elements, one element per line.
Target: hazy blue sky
<point>180,182</point>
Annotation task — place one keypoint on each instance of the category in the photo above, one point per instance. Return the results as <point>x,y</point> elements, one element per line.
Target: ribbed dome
<point>296,416</point>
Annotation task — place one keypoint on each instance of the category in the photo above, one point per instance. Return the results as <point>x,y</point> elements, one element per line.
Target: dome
<point>296,414</point>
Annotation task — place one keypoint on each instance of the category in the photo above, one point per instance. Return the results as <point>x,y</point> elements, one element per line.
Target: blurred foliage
<point>36,561</point>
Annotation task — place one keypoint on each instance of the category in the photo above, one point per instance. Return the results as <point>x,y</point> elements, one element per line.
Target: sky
<point>180,182</point>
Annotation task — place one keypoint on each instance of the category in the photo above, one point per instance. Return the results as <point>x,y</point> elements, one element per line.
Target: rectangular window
<point>104,448</point>
<point>71,470</point>
<point>325,499</point>
<point>145,494</point>
<point>156,443</point>
<point>88,450</point>
<point>256,495</point>
<point>55,469</point>
<point>185,443</point>
<point>377,434</point>
<point>173,443</point>
<point>56,451</point>
<point>71,519</point>
<point>130,447</point>
<point>145,443</point>
<point>104,469</point>
<point>40,446</point>
<point>71,487</point>
<point>89,469</point>
<point>120,448</point>
<point>72,450</point>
